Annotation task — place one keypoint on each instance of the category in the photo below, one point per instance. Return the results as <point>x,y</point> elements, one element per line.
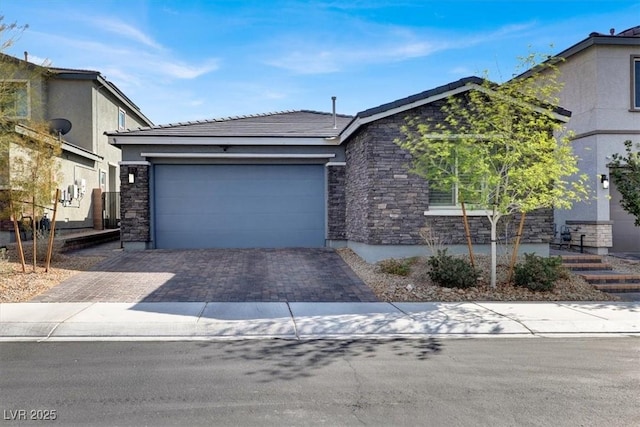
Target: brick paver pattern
<point>215,275</point>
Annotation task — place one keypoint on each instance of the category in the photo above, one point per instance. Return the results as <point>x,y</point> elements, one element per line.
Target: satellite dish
<point>60,126</point>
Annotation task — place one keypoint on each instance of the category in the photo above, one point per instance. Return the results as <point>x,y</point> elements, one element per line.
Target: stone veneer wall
<point>538,228</point>
<point>336,202</point>
<point>386,203</point>
<point>597,234</point>
<point>358,178</point>
<point>134,204</point>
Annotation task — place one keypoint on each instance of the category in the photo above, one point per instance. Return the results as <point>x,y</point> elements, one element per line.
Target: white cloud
<point>118,27</point>
<point>461,71</point>
<point>126,30</point>
<point>390,44</point>
<point>272,94</point>
<point>123,77</point>
<point>321,62</point>
<point>413,50</point>
<point>129,63</point>
<point>181,70</point>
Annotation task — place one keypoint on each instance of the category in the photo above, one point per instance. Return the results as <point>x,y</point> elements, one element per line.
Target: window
<point>635,82</point>
<point>443,197</point>
<point>452,197</point>
<point>14,98</point>
<point>103,180</point>
<point>122,119</point>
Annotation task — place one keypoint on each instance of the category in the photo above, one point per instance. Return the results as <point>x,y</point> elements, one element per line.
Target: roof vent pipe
<point>26,56</point>
<point>335,122</point>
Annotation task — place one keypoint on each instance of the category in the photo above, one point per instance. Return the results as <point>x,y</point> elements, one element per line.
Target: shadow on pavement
<point>282,359</point>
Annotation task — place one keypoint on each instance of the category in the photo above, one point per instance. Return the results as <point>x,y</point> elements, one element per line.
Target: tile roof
<point>59,70</point>
<point>299,123</point>
<point>420,96</point>
<point>434,92</point>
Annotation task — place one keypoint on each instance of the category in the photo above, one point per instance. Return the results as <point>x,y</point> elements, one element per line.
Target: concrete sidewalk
<point>204,321</point>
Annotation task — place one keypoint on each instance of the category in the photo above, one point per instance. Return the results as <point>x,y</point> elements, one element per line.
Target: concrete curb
<point>299,321</point>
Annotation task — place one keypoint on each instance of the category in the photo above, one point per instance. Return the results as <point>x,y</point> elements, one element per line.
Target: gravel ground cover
<point>417,286</point>
<point>16,286</point>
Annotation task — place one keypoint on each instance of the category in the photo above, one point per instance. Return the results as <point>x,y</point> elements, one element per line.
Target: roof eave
<point>70,74</point>
<point>597,40</point>
<point>124,99</point>
<point>66,146</point>
<point>119,140</point>
<point>366,117</point>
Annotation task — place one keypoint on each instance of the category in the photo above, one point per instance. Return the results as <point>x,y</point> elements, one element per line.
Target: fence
<point>111,209</point>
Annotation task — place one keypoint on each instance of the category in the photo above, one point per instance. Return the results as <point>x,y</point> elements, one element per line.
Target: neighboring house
<point>296,179</point>
<point>601,76</point>
<point>92,105</point>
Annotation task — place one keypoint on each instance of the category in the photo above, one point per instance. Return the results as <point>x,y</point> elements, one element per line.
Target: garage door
<point>239,206</point>
<point>625,234</point>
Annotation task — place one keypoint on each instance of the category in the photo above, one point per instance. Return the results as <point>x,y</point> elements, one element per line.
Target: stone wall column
<point>336,201</point>
<point>134,205</point>
<point>595,234</point>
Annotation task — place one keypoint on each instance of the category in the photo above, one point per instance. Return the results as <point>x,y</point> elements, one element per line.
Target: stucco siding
<point>37,89</point>
<point>597,84</point>
<point>71,100</point>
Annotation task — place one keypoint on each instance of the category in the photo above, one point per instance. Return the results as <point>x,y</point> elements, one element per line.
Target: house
<point>601,76</point>
<point>91,105</point>
<point>296,179</point>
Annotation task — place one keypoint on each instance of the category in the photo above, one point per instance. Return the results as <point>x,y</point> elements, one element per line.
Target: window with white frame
<point>459,191</point>
<point>122,119</point>
<point>14,98</point>
<point>451,197</point>
<point>635,82</point>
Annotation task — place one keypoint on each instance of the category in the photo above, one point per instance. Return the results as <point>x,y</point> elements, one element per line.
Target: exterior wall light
<point>604,180</point>
<point>132,175</point>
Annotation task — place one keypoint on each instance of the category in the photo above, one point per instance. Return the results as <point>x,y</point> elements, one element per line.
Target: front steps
<point>601,274</point>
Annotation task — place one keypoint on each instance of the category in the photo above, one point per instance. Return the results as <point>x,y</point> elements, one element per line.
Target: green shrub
<point>451,272</point>
<point>538,273</point>
<point>399,267</point>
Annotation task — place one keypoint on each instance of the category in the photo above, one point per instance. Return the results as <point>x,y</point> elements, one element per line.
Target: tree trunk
<point>16,229</point>
<point>467,232</point>
<point>494,247</point>
<point>516,246</point>
<point>33,231</point>
<point>52,230</point>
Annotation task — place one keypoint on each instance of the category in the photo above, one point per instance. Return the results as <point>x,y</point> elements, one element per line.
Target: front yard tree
<point>28,152</point>
<point>503,148</point>
<point>33,174</point>
<point>625,174</point>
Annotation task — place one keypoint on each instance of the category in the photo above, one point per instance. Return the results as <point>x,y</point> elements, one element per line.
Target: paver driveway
<point>295,275</point>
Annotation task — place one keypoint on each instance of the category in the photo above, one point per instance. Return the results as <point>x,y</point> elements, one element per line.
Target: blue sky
<point>182,60</point>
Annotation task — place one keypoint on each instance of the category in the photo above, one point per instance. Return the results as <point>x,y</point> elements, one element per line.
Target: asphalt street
<point>419,381</point>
